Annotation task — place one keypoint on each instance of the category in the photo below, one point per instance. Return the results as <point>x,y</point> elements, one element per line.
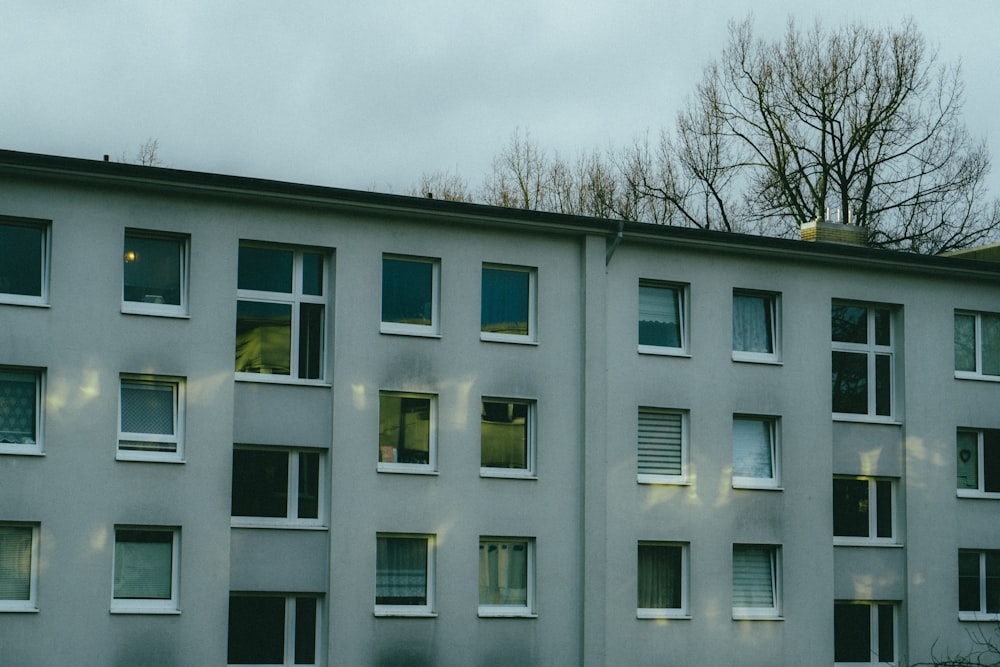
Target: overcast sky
<point>370,94</point>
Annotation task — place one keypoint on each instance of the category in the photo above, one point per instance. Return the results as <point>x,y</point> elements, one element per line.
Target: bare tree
<point>443,185</point>
<point>147,154</point>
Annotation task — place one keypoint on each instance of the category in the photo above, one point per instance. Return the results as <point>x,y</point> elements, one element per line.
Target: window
<point>277,487</point>
<point>18,567</point>
<point>863,510</point>
<point>506,574</point>
<point>979,462</point>
<point>24,260</point>
<point>410,295</point>
<point>862,360</point>
<point>145,571</point>
<point>20,410</point>
<point>755,326</point>
<point>507,442</point>
<point>662,580</point>
<point>151,419</point>
<point>508,304</point>
<point>406,432</point>
<point>755,451</point>
<point>280,313</point>
<point>404,575</point>
<point>977,345</point>
<point>756,581</point>
<point>269,629</point>
<point>662,318</point>
<point>979,585</point>
<point>663,448</point>
<point>864,632</point>
<point>155,273</point>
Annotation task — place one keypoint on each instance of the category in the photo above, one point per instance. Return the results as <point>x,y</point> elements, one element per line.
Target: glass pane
<point>965,343</point>
<point>991,461</point>
<point>504,307</point>
<point>311,340</point>
<point>660,443</point>
<point>992,582</point>
<point>256,630</point>
<point>503,573</point>
<point>504,435</point>
<point>659,316</point>
<point>850,382</point>
<point>883,385</point>
<point>15,562</point>
<point>260,483</point>
<point>659,578</point>
<point>147,408</point>
<point>883,326</point>
<point>263,337</point>
<point>312,273</point>
<point>968,459</point>
<point>968,581</point>
<point>883,508</point>
<point>753,323</point>
<point>753,577</point>
<point>991,344</point>
<point>305,631</point>
<point>886,633</point>
<point>308,485</point>
<point>852,633</point>
<point>265,269</point>
<point>752,448</point>
<point>404,429</point>
<point>21,259</point>
<point>401,571</point>
<point>849,324</point>
<point>850,507</point>
<point>17,408</point>
<point>407,291</point>
<point>143,564</point>
<point>153,270</point>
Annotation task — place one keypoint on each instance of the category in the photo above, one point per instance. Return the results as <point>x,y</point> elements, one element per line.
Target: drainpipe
<point>616,242</point>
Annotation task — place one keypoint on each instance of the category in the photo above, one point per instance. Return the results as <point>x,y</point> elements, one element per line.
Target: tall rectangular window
<point>151,418</point>
<point>863,510</point>
<point>755,452</point>
<point>270,629</point>
<point>18,567</point>
<point>277,487</point>
<point>145,570</point>
<point>977,345</point>
<point>662,448</point>
<point>756,581</point>
<point>862,360</point>
<point>410,295</point>
<point>979,585</point>
<point>507,311</point>
<point>407,432</point>
<point>864,633</point>
<point>507,440</point>
<point>506,573</point>
<point>404,575</point>
<point>978,462</point>
<point>662,318</point>
<point>662,580</point>
<point>280,312</point>
<point>755,326</point>
<point>155,273</point>
<point>20,410</point>
<point>24,260</point>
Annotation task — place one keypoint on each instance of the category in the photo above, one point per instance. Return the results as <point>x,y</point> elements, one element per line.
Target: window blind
<point>660,443</point>
<point>15,562</point>
<point>753,577</point>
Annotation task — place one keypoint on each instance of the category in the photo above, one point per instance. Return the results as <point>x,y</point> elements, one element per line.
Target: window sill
<point>15,608</point>
<point>503,613</point>
<point>174,312</point>
<point>967,493</point>
<point>404,613</point>
<point>740,616</point>
<point>502,473</point>
<point>406,469</point>
<point>966,375</point>
<point>277,524</point>
<point>265,378</point>
<point>8,449</point>
<point>865,419</point>
<point>663,615</point>
<point>500,338</point>
<point>146,458</point>
<point>664,351</point>
<point>751,486</point>
<point>396,330</point>
<point>751,358</point>
<point>145,610</point>
<point>663,481</point>
<point>862,542</point>
<point>978,616</point>
<point>15,300</point>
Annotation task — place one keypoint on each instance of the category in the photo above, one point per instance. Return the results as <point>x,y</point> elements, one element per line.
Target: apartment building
<point>254,422</point>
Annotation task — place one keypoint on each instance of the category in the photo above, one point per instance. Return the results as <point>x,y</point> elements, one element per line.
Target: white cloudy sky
<point>370,94</point>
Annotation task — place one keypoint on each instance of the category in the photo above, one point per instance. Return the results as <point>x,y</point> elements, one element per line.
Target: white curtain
<point>752,455</point>
<point>401,571</point>
<point>752,329</point>
<point>659,580</point>
<point>503,573</point>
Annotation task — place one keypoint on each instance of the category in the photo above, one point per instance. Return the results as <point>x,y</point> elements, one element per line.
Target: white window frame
<point>978,373</point>
<point>161,309</point>
<point>295,299</point>
<point>774,441</point>
<point>429,468</point>
<point>980,490</point>
<point>684,610</point>
<point>761,613</point>
<point>872,352</point>
<point>426,610</point>
<point>683,294</point>
<point>177,386</point>
<point>684,478</point>
<point>531,336</point>
<point>873,539</point>
<point>291,518</point>
<point>46,253</point>
<point>31,604</point>
<point>432,330</point>
<point>290,626</point>
<point>513,611</point>
<point>874,630</point>
<point>981,614</point>
<point>774,312</point>
<point>149,606</point>
<point>10,373</point>
<point>528,472</point>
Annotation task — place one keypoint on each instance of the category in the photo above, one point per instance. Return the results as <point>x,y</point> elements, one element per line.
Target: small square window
<point>662,580</point>
<point>979,462</point>
<point>269,629</point>
<point>863,510</point>
<point>662,446</point>
<point>506,573</point>
<point>662,318</point>
<point>756,581</point>
<point>151,419</point>
<point>21,410</point>
<point>407,431</point>
<point>404,575</point>
<point>508,304</point>
<point>145,570</point>
<point>507,441</point>
<point>864,633</point>
<point>862,361</point>
<point>277,487</point>
<point>18,567</point>
<point>979,585</point>
<point>24,261</point>
<point>755,326</point>
<point>410,289</point>
<point>755,452</point>
<point>155,273</point>
<point>977,345</point>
